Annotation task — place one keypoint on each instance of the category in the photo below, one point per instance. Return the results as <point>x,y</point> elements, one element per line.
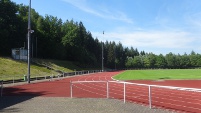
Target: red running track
<point>182,101</point>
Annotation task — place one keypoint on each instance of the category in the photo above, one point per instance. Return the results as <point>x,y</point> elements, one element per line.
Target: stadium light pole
<point>102,55</point>
<point>29,36</point>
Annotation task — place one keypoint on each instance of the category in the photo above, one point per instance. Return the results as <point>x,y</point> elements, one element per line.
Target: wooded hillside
<point>54,38</point>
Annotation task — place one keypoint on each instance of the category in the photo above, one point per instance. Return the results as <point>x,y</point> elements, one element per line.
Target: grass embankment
<point>10,68</point>
<point>65,66</point>
<point>165,74</point>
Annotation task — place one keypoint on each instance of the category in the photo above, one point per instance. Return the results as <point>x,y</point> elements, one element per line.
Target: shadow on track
<point>12,96</point>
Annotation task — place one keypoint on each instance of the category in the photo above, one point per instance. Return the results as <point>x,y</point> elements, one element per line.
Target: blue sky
<point>158,26</point>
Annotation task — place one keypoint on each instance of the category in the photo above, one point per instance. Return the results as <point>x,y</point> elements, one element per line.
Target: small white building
<point>19,53</point>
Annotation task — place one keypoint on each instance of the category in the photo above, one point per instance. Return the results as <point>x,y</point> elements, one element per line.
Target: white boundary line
<point>168,87</point>
<point>86,81</point>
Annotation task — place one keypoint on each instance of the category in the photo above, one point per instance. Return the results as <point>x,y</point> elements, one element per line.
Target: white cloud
<point>101,12</point>
<point>149,39</point>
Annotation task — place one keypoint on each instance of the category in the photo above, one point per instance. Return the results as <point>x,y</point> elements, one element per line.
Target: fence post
<point>58,77</point>
<point>149,96</point>
<point>13,79</point>
<point>1,88</point>
<point>124,92</point>
<point>36,77</point>
<point>51,77</point>
<point>107,90</point>
<point>71,89</point>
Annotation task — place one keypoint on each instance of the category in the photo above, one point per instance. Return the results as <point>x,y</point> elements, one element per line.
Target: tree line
<point>170,61</point>
<point>54,38</point>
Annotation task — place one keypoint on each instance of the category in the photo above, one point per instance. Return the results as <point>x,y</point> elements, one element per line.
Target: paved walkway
<point>21,104</point>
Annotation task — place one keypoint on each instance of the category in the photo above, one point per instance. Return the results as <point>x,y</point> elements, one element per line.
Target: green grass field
<point>165,74</point>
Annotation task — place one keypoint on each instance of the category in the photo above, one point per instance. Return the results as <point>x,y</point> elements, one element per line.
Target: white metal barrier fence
<point>8,79</point>
<point>170,97</point>
<point>107,88</point>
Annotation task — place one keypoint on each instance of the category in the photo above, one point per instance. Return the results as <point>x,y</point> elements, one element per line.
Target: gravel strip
<point>22,104</point>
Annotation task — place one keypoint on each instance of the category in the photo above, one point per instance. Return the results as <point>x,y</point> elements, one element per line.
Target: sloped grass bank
<point>10,68</point>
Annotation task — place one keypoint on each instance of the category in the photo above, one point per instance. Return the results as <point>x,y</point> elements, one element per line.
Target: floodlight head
<point>32,31</point>
<point>17,13</point>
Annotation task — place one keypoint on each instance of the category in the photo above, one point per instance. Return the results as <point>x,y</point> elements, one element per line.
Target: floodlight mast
<point>29,36</point>
<point>102,55</point>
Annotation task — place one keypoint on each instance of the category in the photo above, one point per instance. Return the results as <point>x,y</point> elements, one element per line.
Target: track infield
<point>160,74</point>
<point>179,100</point>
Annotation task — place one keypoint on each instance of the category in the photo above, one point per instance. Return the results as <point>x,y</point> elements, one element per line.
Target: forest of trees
<point>70,40</point>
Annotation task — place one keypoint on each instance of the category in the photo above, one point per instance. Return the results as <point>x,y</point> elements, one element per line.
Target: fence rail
<point>22,78</point>
<point>179,98</point>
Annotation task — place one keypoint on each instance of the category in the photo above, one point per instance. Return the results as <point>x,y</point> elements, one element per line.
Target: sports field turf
<point>172,74</point>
